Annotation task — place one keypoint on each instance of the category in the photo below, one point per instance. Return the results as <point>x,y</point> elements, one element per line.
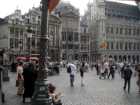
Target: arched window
<point>126,46</point>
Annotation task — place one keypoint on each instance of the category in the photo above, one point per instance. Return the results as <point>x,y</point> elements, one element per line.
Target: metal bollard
<point>5,74</point>
<point>1,91</point>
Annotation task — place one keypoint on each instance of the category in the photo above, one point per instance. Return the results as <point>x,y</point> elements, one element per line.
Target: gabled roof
<point>66,8</point>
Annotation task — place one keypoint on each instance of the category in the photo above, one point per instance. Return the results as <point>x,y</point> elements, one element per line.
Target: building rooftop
<point>65,8</point>
<point>123,10</point>
<point>2,21</point>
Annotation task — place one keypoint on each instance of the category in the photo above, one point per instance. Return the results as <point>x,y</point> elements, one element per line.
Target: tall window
<point>16,32</point>
<point>70,46</point>
<point>112,47</point>
<point>137,46</point>
<point>107,29</point>
<point>126,31</point>
<point>117,30</point>
<point>117,45</point>
<point>121,30</point>
<point>138,31</point>
<point>11,30</point>
<point>134,32</point>
<point>126,47</point>
<point>63,36</point>
<point>121,45</point>
<point>112,30</point>
<point>134,46</point>
<point>64,46</point>
<point>107,45</point>
<point>11,42</point>
<point>129,31</point>
<point>129,46</point>
<point>76,36</point>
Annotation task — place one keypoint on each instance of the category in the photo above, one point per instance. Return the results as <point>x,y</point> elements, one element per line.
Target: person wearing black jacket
<point>127,77</point>
<point>30,76</point>
<point>112,71</point>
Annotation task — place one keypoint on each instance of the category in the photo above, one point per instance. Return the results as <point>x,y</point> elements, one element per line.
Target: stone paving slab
<point>95,91</point>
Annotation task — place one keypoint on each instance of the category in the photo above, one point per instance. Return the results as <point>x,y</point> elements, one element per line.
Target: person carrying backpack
<point>127,77</point>
<point>71,69</point>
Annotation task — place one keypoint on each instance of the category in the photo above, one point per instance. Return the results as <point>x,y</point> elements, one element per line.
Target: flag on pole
<point>52,4</point>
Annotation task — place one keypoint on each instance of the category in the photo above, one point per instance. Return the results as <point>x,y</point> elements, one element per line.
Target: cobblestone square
<point>95,91</point>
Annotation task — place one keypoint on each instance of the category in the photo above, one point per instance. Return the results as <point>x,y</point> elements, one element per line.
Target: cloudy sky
<point>8,6</point>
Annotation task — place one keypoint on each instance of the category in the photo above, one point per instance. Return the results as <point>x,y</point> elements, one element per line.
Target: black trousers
<point>127,83</point>
<point>112,73</point>
<point>71,80</point>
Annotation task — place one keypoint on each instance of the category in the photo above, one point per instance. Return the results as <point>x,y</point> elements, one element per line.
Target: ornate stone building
<point>70,31</point>
<point>21,34</point>
<point>118,25</point>
<point>84,41</point>
<point>12,30</point>
<point>33,23</point>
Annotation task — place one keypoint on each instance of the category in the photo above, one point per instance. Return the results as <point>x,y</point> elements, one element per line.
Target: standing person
<point>138,81</point>
<point>30,76</point>
<point>97,68</point>
<point>112,71</point>
<point>19,79</point>
<point>82,69</point>
<point>102,71</point>
<point>127,77</point>
<point>138,72</point>
<point>122,70</point>
<point>72,71</point>
<point>106,68</point>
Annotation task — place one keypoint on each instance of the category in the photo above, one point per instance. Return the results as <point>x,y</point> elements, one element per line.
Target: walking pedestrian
<point>82,69</point>
<point>127,77</point>
<point>102,71</point>
<point>106,68</point>
<point>30,75</point>
<point>112,71</point>
<point>122,71</point>
<point>19,79</point>
<point>71,68</point>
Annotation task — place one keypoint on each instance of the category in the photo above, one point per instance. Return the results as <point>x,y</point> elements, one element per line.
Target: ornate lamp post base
<point>41,96</point>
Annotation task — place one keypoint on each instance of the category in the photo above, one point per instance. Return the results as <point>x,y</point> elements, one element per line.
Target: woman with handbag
<point>19,79</point>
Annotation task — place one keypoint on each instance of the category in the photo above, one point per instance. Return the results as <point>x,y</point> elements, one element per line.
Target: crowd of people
<point>26,75</point>
<point>106,70</point>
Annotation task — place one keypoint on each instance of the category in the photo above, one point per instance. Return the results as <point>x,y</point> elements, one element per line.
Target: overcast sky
<point>8,6</point>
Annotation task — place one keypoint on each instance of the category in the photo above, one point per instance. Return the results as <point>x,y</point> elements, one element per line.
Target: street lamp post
<point>29,35</point>
<point>41,96</point>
